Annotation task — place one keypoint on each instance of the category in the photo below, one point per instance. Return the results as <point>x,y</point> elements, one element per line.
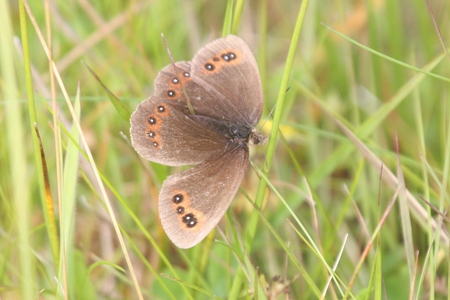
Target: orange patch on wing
<point>226,57</point>
<point>183,209</point>
<point>175,82</point>
<point>238,57</point>
<point>162,110</point>
<point>184,79</point>
<point>153,123</point>
<point>155,139</point>
<point>172,94</point>
<point>176,87</point>
<point>155,129</point>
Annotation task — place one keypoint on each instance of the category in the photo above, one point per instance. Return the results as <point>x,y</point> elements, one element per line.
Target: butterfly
<point>203,113</point>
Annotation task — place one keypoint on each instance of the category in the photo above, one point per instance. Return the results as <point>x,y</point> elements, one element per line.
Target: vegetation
<point>346,201</point>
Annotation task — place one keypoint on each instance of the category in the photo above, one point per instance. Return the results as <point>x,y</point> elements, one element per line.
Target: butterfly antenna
<point>268,116</point>
<point>273,109</point>
<point>189,105</point>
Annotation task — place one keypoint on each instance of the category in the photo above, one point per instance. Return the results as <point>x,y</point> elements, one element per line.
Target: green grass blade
<point>118,105</point>
<point>253,222</point>
<point>228,19</point>
<point>15,145</point>
<point>237,14</point>
<point>343,151</point>
<point>403,64</point>
<point>276,120</point>
<point>68,209</point>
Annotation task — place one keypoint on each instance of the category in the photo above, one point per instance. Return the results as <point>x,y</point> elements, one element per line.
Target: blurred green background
<point>345,215</point>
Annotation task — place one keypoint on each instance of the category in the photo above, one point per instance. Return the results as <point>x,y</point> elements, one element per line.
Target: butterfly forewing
<point>227,68</point>
<point>163,134</point>
<point>176,85</point>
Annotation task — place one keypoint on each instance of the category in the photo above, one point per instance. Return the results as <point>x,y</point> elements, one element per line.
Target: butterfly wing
<point>204,102</point>
<point>234,95</point>
<point>227,69</point>
<point>170,82</point>
<point>191,203</point>
<point>163,134</point>
<point>169,85</point>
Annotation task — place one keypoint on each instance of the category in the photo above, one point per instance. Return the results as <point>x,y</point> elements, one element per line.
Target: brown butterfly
<point>203,112</point>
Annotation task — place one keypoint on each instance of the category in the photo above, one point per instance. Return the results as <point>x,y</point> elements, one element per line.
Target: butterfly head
<point>257,138</point>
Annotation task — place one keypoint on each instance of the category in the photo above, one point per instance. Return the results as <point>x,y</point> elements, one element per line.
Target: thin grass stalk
<point>91,160</point>
<point>253,223</point>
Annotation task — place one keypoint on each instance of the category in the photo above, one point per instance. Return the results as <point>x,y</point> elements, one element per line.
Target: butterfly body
<point>203,113</point>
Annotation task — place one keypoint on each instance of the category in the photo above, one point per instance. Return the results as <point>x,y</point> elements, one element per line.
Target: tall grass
<point>346,201</point>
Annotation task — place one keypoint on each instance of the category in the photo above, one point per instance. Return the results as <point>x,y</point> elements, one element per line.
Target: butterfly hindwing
<point>191,203</point>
